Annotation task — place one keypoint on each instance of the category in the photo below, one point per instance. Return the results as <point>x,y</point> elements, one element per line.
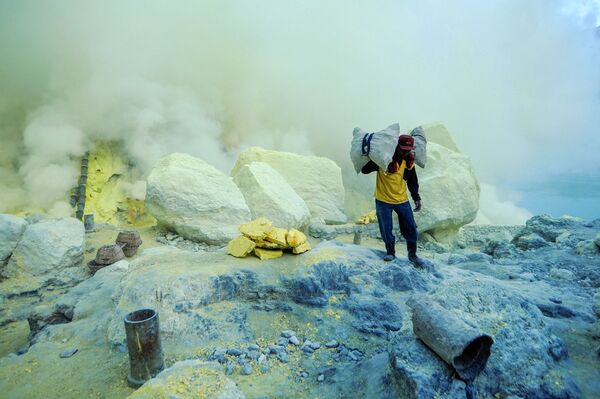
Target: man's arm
<point>412,182</point>
<point>370,167</point>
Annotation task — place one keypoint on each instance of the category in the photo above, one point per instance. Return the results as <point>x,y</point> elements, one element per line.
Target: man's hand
<point>417,206</point>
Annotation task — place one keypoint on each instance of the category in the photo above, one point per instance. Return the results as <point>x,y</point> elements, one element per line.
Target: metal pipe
<point>88,222</point>
<point>143,344</point>
<point>465,348</point>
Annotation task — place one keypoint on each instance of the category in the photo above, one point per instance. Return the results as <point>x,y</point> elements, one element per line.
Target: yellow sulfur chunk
<point>256,229</point>
<point>367,218</point>
<point>278,236</point>
<point>240,246</point>
<point>301,248</point>
<point>295,238</point>
<point>265,254</point>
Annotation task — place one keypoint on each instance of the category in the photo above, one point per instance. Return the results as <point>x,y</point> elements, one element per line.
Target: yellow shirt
<point>391,187</point>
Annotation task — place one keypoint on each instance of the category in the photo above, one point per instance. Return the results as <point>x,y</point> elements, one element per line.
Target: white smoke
<point>516,82</point>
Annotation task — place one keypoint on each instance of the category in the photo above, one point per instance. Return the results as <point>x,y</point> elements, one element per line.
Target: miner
<point>391,195</point>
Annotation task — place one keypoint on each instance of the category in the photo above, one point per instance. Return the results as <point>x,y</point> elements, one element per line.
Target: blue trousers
<point>408,227</point>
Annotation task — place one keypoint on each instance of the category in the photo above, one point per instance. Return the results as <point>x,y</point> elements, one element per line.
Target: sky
<point>516,83</point>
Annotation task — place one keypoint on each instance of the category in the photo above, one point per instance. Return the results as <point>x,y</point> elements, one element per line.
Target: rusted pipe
<point>465,348</point>
<point>144,347</point>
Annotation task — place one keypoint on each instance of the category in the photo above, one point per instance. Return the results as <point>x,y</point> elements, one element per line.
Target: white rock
<point>190,379</point>
<point>48,246</point>
<point>269,195</point>
<point>11,230</point>
<point>437,133</point>
<point>196,200</point>
<point>317,180</point>
<point>449,191</point>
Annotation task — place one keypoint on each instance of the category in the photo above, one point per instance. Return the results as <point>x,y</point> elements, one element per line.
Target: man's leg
<point>408,228</point>
<point>385,221</point>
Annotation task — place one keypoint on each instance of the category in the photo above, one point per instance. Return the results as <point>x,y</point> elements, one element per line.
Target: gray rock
<point>247,369</point>
<point>420,374</point>
<point>294,340</point>
<point>229,368</point>
<point>281,341</point>
<point>253,347</point>
<point>529,241</point>
<point>375,316</point>
<point>46,247</point>
<point>254,355</point>
<point>283,357</point>
<point>234,352</point>
<point>321,378</point>
<point>11,230</point>
<point>288,333</point>
<point>264,367</point>
<point>332,344</point>
<point>315,345</point>
<point>219,355</point>
<point>276,349</point>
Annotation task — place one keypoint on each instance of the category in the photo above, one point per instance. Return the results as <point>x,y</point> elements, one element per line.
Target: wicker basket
<point>130,241</point>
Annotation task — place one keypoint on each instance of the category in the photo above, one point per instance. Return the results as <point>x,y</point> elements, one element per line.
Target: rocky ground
<point>330,323</point>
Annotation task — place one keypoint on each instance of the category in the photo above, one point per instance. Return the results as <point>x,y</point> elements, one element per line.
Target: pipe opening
<point>140,316</point>
<point>473,359</point>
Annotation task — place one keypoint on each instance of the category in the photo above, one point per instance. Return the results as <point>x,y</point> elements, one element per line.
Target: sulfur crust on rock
<point>295,238</point>
<point>301,248</point>
<point>256,229</point>
<point>265,254</point>
<point>240,246</point>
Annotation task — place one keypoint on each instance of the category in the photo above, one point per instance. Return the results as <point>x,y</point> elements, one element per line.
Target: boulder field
<point>332,322</point>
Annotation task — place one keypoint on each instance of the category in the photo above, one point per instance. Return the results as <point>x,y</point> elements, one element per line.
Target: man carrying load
<point>391,196</point>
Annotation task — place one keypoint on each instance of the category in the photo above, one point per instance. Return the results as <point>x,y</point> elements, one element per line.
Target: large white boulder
<point>449,191</point>
<point>196,200</point>
<point>46,247</point>
<point>437,133</point>
<point>269,195</point>
<point>317,180</point>
<point>11,230</point>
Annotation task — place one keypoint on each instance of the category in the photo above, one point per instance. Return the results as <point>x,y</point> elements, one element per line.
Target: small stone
<point>304,247</point>
<point>219,354</point>
<point>321,377</point>
<point>68,353</point>
<point>276,349</point>
<point>253,347</point>
<point>282,341</point>
<point>234,352</point>
<point>332,344</point>
<point>264,367</point>
<point>266,254</point>
<point>287,333</point>
<point>247,369</point>
<point>254,355</point>
<point>294,340</point>
<point>303,374</point>
<point>283,357</point>
<point>352,356</point>
<point>257,229</point>
<point>307,349</point>
<point>315,345</point>
<point>229,368</point>
<point>261,359</point>
<point>295,238</point>
<point>240,246</point>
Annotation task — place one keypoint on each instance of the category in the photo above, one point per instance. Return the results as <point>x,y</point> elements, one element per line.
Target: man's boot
<point>412,254</point>
<point>391,252</point>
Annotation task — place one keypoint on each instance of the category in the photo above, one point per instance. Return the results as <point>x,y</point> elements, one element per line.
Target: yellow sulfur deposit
<point>295,238</point>
<point>278,236</point>
<point>257,229</point>
<point>110,193</point>
<point>265,254</point>
<point>301,248</point>
<point>240,246</point>
<point>367,218</point>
